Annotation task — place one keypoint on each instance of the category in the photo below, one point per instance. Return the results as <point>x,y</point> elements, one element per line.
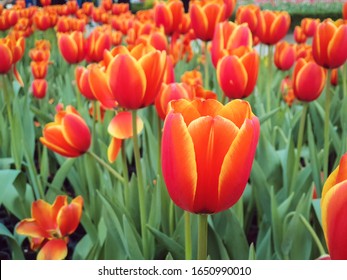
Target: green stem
<point>344,79</point>
<point>269,81</point>
<point>94,125</point>
<point>326,126</point>
<point>206,78</point>
<point>188,236</point>
<point>313,234</point>
<point>171,217</point>
<point>299,146</point>
<point>159,123</point>
<point>106,166</point>
<point>125,174</point>
<point>140,185</point>
<point>202,237</point>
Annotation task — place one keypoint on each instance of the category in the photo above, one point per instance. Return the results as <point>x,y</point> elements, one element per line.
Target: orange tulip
<point>329,44</point>
<point>82,80</point>
<point>284,56</point>
<point>68,135</point>
<point>334,209</point>
<point>299,35</point>
<point>39,88</point>
<point>120,8</point>
<point>229,8</point>
<point>204,18</point>
<point>96,43</point>
<point>87,8</point>
<point>38,54</point>
<point>39,69</point>
<point>237,73</point>
<point>272,26</point>
<point>287,91</point>
<point>334,79</point>
<point>229,36</point>
<point>43,20</point>
<point>121,128</point>
<point>6,57</point>
<point>169,92</point>
<point>207,153</point>
<point>309,26</point>
<point>72,46</point>
<point>50,226</point>
<point>306,88</point>
<point>133,79</point>
<point>45,2</point>
<point>248,14</point>
<point>72,6</point>
<point>169,15</point>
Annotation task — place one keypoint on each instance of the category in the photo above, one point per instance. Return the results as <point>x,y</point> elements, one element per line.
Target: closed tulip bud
<point>329,44</point>
<point>72,47</point>
<point>87,8</point>
<point>68,135</point>
<point>72,6</point>
<point>299,35</point>
<point>82,80</point>
<point>207,153</point>
<point>309,26</point>
<point>42,21</point>
<point>120,8</point>
<point>168,15</point>
<point>272,26</point>
<point>238,74</point>
<point>205,17</point>
<point>334,209</point>
<point>39,69</point>
<point>229,8</point>
<point>39,54</point>
<point>306,88</point>
<point>45,2</point>
<point>39,88</point>
<point>96,43</point>
<point>6,57</point>
<point>248,14</point>
<point>284,56</point>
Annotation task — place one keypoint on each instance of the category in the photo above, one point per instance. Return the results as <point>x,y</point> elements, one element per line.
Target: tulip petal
<point>337,53</point>
<point>69,217</point>
<point>237,164</point>
<point>55,249</point>
<point>68,48</point>
<point>121,126</point>
<point>199,22</point>
<point>113,149</point>
<point>186,108</point>
<point>30,228</point>
<point>212,138</point>
<point>178,161</point>
<point>237,111</point>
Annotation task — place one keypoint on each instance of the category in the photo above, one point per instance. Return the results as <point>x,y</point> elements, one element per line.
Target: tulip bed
<point>171,135</point>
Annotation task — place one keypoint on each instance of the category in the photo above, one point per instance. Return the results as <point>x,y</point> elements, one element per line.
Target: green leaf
<point>16,250</point>
<point>133,241</point>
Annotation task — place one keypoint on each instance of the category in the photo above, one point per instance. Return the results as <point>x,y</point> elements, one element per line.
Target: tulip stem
<point>159,143</point>
<point>344,79</point>
<point>202,237</point>
<point>299,146</point>
<point>188,236</point>
<point>106,166</point>
<point>94,125</point>
<point>140,185</point>
<point>125,174</point>
<point>313,234</point>
<point>326,126</point>
<point>269,82</point>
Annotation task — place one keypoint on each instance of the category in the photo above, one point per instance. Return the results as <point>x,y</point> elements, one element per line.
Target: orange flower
<point>87,8</point>
<point>45,2</point>
<point>68,135</point>
<point>82,80</point>
<point>120,8</point>
<point>309,26</point>
<point>248,14</point>
<point>229,36</point>
<point>172,91</point>
<point>72,46</point>
<point>6,57</point>
<point>237,73</point>
<point>334,79</point>
<point>96,43</point>
<point>334,209</point>
<point>329,44</point>
<point>169,15</point>
<point>287,91</point>
<point>306,88</point>
<point>207,153</point>
<point>39,69</point>
<point>39,55</point>
<point>299,35</point>
<point>50,226</point>
<point>284,56</point>
<point>121,128</point>
<point>72,6</point>
<point>204,18</point>
<point>43,20</point>
<point>39,88</point>
<point>272,26</point>
<point>133,79</point>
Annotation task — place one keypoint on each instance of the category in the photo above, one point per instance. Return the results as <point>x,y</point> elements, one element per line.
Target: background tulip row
<point>162,134</point>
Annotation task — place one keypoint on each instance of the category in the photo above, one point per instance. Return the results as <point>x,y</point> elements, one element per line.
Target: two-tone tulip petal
<point>334,209</point>
<point>68,135</point>
<point>82,80</point>
<point>168,15</point>
<point>39,88</point>
<point>96,43</point>
<point>72,46</point>
<point>299,35</point>
<point>306,88</point>
<point>309,26</point>
<point>284,56</point>
<point>207,153</point>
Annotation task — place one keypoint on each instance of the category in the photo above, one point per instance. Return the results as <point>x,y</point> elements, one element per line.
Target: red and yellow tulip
<point>39,88</point>
<point>50,226</point>
<point>68,135</point>
<point>284,56</point>
<point>299,35</point>
<point>72,46</point>
<point>96,43</point>
<point>309,26</point>
<point>207,153</point>
<point>334,209</point>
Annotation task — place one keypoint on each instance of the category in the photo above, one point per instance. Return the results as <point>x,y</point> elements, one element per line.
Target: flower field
<point>172,135</point>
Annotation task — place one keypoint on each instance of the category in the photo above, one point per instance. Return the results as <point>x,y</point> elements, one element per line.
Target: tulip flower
<point>334,209</point>
<point>248,14</point>
<point>72,46</point>
<point>87,8</point>
<point>68,135</point>
<point>272,26</point>
<point>121,128</point>
<point>96,43</point>
<point>43,20</point>
<point>6,58</point>
<point>229,36</point>
<point>237,73</point>
<point>207,153</point>
<point>50,226</point>
<point>329,44</point>
<point>205,17</point>
<point>133,79</point>
<point>309,26</point>
<point>82,80</point>
<point>299,35</point>
<point>39,88</point>
<point>284,56</point>
<point>45,2</point>
<point>168,15</point>
<point>306,88</point>
<point>334,78</point>
<point>39,69</point>
<point>287,91</point>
